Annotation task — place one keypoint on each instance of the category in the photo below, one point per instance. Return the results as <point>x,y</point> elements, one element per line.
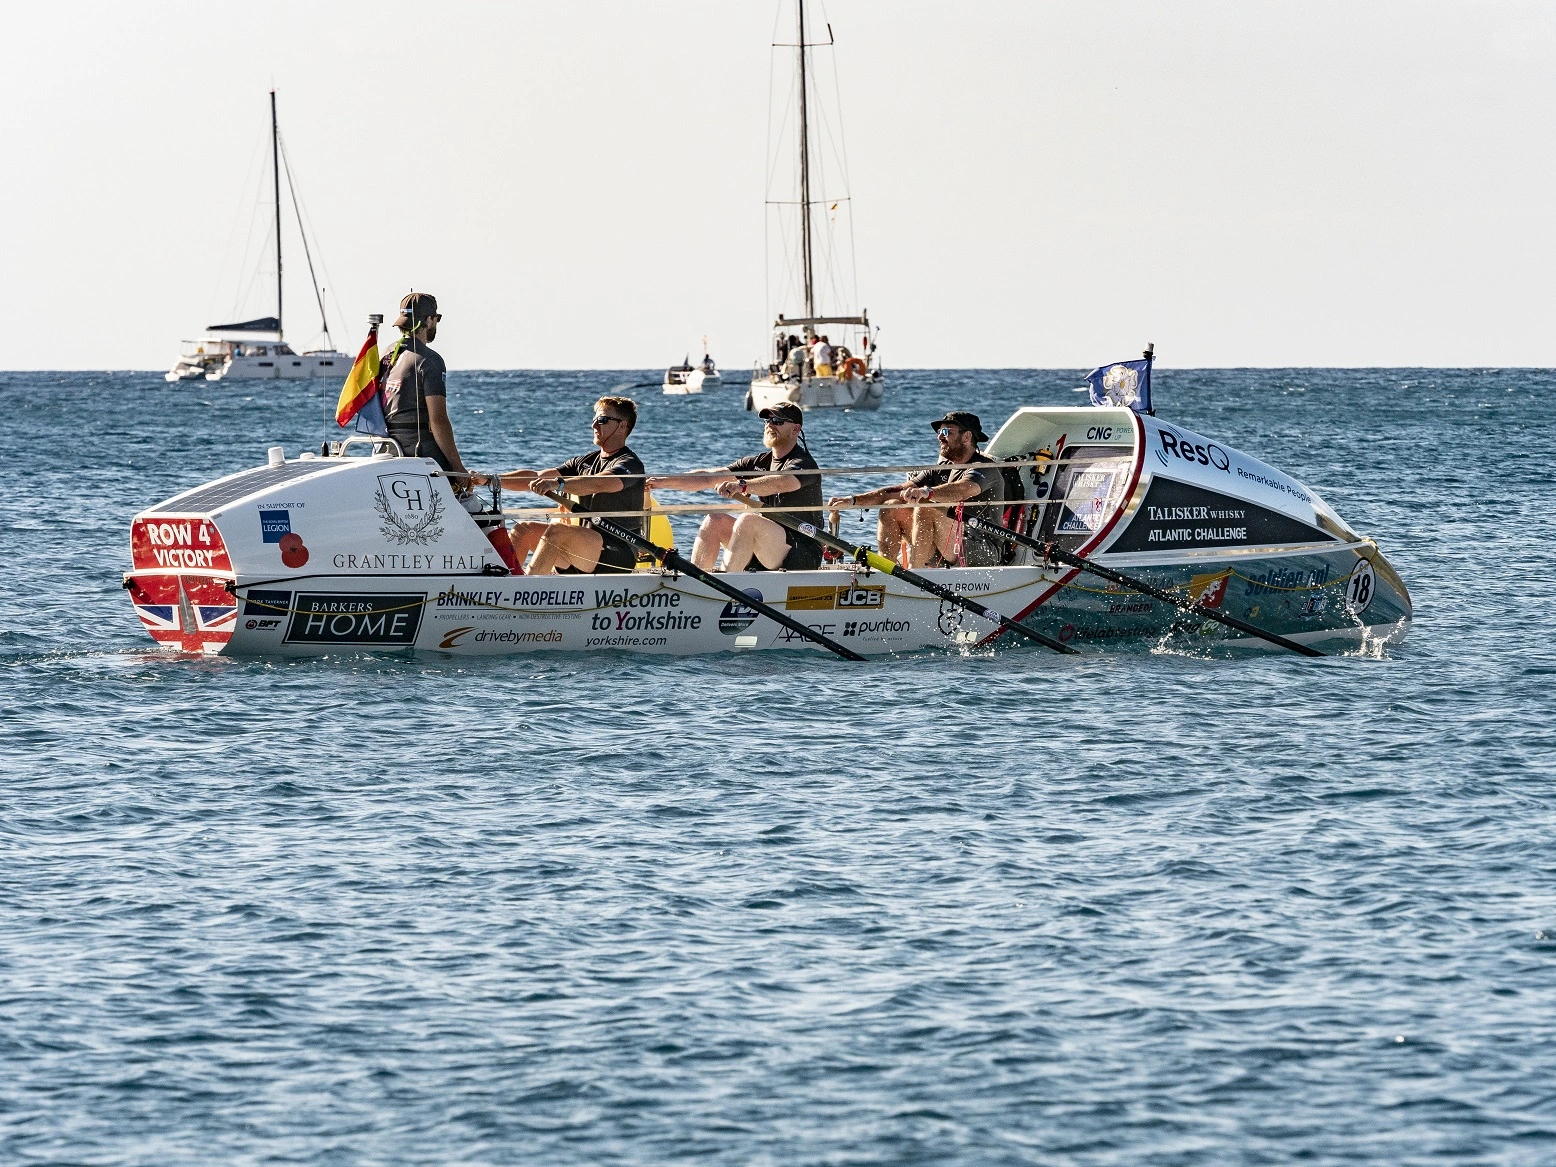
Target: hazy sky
<point>1046,184</point>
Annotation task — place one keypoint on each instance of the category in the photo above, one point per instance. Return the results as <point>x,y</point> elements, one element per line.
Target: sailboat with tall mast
<point>825,356</point>
<point>256,350</point>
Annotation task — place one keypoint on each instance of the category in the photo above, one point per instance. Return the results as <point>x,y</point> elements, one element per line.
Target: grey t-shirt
<point>418,373</point>
<point>978,549</point>
<point>982,469</point>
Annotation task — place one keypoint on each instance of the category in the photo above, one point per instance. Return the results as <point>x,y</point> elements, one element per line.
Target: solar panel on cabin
<point>218,494</point>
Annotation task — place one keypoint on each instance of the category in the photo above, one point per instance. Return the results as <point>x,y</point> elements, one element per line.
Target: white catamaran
<point>256,350</point>
<point>825,356</point>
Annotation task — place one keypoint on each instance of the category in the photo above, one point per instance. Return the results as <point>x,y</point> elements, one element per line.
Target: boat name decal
<point>185,543</point>
<point>186,557</point>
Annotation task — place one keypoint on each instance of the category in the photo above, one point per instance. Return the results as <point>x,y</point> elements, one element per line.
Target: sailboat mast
<point>275,169</point>
<point>810,296</point>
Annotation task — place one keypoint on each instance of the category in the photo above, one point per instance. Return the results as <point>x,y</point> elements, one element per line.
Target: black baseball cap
<point>785,412</point>
<point>967,421</point>
<point>415,310</point>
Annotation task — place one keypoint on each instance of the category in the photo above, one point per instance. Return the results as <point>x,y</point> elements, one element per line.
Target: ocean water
<point>1149,907</point>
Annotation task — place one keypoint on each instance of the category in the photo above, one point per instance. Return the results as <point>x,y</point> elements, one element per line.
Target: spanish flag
<point>362,382</point>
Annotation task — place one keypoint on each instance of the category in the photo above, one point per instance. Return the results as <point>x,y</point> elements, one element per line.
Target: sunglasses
<point>604,419</point>
<point>948,431</point>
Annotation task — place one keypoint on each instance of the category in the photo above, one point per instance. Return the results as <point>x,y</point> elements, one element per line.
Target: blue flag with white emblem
<point>1128,383</point>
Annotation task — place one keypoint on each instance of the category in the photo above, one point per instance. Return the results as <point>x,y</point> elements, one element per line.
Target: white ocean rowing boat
<point>317,555</point>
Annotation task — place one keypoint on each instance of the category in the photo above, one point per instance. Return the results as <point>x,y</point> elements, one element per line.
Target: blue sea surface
<point>1139,908</point>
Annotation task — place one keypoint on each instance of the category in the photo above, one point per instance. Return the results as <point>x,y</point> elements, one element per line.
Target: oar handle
<point>1050,551</point>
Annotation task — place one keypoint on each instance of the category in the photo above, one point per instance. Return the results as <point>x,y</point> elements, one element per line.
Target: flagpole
<point>1150,356</point>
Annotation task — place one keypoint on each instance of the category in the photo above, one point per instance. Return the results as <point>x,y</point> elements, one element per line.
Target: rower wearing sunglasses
<point>752,542</point>
<point>609,478</point>
<point>961,476</point>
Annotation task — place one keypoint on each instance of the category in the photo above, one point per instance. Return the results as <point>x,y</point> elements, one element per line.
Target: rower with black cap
<point>609,478</point>
<point>416,388</point>
<point>776,477</point>
<point>961,476</point>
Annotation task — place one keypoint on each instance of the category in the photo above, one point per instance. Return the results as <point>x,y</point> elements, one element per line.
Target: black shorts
<point>979,550</point>
<point>614,556</point>
<point>804,555</point>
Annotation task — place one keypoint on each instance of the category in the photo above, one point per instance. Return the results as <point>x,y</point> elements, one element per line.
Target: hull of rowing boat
<point>1335,600</point>
<point>313,557</point>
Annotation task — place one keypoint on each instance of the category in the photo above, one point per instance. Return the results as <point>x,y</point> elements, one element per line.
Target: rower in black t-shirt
<point>963,477</point>
<point>753,542</point>
<point>607,479</point>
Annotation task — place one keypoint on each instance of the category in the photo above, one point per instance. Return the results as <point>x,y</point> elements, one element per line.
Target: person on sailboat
<point>752,542</point>
<point>969,480</point>
<point>822,355</point>
<point>416,389</point>
<point>609,478</point>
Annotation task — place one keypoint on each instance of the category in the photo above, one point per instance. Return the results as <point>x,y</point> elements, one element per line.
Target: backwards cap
<point>415,310</point>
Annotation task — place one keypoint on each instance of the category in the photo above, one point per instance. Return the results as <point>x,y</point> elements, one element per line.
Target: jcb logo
<point>861,597</point>
<point>817,599</point>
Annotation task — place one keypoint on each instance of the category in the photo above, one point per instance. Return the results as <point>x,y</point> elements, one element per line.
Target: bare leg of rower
<point>933,530</point>
<point>894,528</point>
<point>564,546</point>
<point>714,533</point>
<point>525,537</point>
<point>754,535</point>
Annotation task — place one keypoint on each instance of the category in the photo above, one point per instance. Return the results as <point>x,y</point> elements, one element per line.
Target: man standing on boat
<point>774,476</point>
<point>416,388</point>
<point>607,479</point>
<point>968,478</point>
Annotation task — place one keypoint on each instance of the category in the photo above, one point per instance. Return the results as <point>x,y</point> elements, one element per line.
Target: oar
<point>1139,585</point>
<point>677,562</point>
<point>880,563</point>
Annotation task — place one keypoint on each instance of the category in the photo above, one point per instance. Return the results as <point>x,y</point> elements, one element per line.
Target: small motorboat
<point>687,378</point>
<point>316,554</point>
